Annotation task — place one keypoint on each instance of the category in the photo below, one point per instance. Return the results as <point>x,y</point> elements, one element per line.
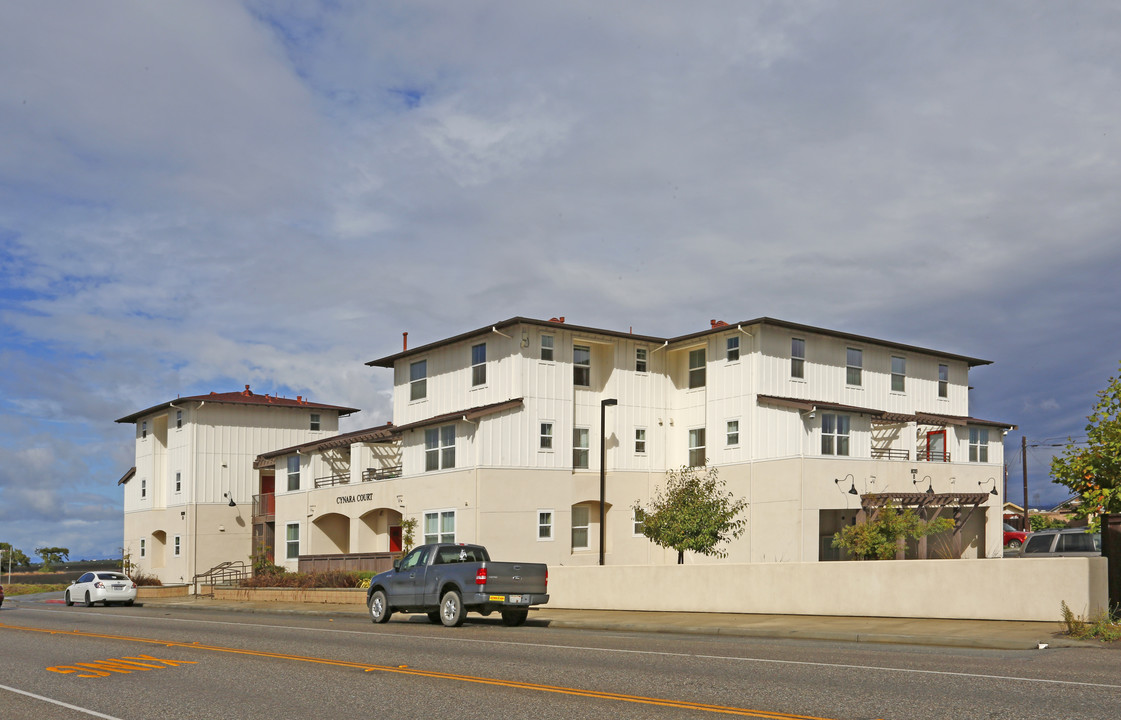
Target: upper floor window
<point>144,429</point>
<point>943,381</point>
<point>640,360</point>
<point>697,447</point>
<point>797,358</point>
<point>439,527</point>
<point>418,380</point>
<point>479,364</point>
<point>314,424</point>
<point>854,361</point>
<point>696,368</point>
<point>834,434</point>
<point>580,448</point>
<point>547,347</point>
<point>439,448</point>
<point>898,374</point>
<point>177,545</point>
<point>293,473</point>
<point>178,482</point>
<point>640,441</point>
<point>733,348</point>
<point>733,434</point>
<point>582,365</point>
<point>178,419</point>
<point>546,442</point>
<point>143,488</point>
<point>978,444</point>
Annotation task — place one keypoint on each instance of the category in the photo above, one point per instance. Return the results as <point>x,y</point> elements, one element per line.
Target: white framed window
<point>943,381</point>
<point>544,524</point>
<point>293,473</point>
<point>439,448</point>
<point>581,521</point>
<point>797,358</point>
<point>732,348</point>
<point>640,441</point>
<point>978,444</point>
<point>178,481</point>
<point>178,419</point>
<point>640,356</point>
<point>143,429</point>
<point>732,436</point>
<point>314,423</point>
<point>582,365</point>
<point>546,439</point>
<point>418,380</point>
<point>547,348</point>
<point>143,488</point>
<point>854,366</point>
<point>177,545</point>
<point>291,541</point>
<point>143,548</point>
<point>580,448</point>
<point>696,368</point>
<point>898,374</point>
<point>834,434</point>
<point>439,526</point>
<point>478,364</point>
<point>697,447</point>
<point>638,519</point>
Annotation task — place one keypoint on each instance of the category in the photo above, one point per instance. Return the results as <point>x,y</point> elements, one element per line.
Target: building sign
<point>364,497</point>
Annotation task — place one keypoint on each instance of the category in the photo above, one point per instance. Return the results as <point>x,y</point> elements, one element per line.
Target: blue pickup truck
<point>447,580</point>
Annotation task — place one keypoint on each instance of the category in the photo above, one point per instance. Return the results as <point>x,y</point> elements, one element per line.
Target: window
<point>978,444</point>
<point>293,473</point>
<point>580,448</point>
<point>439,527</point>
<point>178,419</point>
<point>546,442</point>
<point>178,482</point>
<point>696,368</point>
<point>640,359</point>
<point>581,519</point>
<point>292,541</point>
<point>314,425</point>
<point>582,365</point>
<point>143,548</point>
<point>439,448</point>
<point>834,434</point>
<point>943,381</point>
<point>418,380</point>
<point>143,488</point>
<point>143,429</point>
<point>547,347</point>
<point>638,519</point>
<point>733,432</point>
<point>640,441</point>
<point>854,360</point>
<point>898,374</point>
<point>797,358</point>
<point>177,545</point>
<point>697,447</point>
<point>479,364</point>
<point>544,524</point>
<point>733,348</point>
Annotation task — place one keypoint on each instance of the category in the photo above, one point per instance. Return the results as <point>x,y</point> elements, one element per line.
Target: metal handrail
<point>332,480</point>
<point>229,572</point>
<point>890,454</point>
<point>382,473</point>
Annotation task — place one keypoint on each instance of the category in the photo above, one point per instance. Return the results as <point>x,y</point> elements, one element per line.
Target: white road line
<point>944,673</point>
<point>58,702</point>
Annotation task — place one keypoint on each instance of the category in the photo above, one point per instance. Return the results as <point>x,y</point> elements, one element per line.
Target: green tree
<point>52,555</point>
<point>878,539</point>
<point>14,555</point>
<point>1094,471</point>
<point>693,512</point>
<point>408,534</point>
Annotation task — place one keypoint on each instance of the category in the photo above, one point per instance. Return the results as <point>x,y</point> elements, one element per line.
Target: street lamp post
<point>603,474</point>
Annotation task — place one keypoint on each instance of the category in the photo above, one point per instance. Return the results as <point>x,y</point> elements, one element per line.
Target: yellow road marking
<point>404,670</point>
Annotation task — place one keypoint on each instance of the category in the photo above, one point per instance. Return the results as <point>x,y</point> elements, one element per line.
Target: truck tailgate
<point>517,578</point>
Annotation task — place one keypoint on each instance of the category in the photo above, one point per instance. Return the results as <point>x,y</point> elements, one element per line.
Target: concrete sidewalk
<point>992,634</point>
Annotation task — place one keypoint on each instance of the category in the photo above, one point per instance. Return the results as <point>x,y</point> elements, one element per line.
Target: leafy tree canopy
<point>52,555</point>
<point>14,555</point>
<point>1093,472</point>
<point>693,512</point>
<point>878,539</point>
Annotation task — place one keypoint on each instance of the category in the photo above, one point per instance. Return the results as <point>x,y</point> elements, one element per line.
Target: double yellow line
<point>405,670</point>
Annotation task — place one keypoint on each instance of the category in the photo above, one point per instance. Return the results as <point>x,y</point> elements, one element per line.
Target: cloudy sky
<point>196,196</point>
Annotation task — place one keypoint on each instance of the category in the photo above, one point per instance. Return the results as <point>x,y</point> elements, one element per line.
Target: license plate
<point>118,587</point>
<point>515,598</point>
<point>497,598</point>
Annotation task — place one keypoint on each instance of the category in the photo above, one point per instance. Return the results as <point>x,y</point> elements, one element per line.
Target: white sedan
<point>103,586</point>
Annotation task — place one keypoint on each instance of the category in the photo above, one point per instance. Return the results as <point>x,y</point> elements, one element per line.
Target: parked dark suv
<point>1068,542</point>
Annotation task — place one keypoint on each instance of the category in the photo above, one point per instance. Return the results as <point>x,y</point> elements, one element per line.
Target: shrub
<point>328,579</point>
<point>141,578</point>
<point>1105,627</point>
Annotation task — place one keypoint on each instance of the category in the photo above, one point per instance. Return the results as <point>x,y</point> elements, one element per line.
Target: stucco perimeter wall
<point>996,589</point>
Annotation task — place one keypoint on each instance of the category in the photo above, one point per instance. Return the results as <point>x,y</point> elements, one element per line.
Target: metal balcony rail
<point>332,480</point>
<point>932,455</point>
<point>264,505</point>
<point>890,454</point>
<point>382,473</point>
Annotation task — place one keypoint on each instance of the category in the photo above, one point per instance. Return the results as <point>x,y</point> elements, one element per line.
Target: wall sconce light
<point>992,480</point>
<point>227,495</point>
<point>929,484</point>
<point>851,490</point>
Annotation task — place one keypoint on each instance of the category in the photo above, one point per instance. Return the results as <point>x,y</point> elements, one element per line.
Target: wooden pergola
<point>929,507</point>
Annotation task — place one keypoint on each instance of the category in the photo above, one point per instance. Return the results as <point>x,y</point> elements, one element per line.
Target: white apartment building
<point>187,500</point>
<point>496,440</point>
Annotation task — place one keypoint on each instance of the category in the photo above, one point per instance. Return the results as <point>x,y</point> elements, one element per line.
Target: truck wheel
<point>513,618</point>
<point>451,609</point>
<point>379,607</point>
<point>434,617</point>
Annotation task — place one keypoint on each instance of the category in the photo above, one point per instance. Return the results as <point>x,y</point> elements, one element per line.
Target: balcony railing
<point>332,480</point>
<point>932,455</point>
<point>382,473</point>
<point>890,454</point>
<point>264,505</point>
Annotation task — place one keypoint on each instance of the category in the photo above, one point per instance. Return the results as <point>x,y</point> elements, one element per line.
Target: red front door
<point>395,538</point>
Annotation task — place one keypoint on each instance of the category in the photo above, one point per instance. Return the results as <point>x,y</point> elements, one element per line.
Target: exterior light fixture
<point>992,480</point>
<point>227,495</point>
<point>852,490</point>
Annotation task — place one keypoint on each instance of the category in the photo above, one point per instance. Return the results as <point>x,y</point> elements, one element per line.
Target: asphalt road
<point>143,663</point>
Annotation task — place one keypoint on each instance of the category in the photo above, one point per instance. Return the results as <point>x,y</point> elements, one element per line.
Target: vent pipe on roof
<point>247,392</point>
<point>717,323</point>
<point>557,320</point>
<point>404,341</point>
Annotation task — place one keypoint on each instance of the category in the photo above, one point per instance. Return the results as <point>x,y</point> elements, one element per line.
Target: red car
<point>1,594</point>
<point>1013,538</point>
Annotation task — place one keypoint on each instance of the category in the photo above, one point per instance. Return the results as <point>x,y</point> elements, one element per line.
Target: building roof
<point>882,415</point>
<point>127,476</point>
<point>245,397</point>
<point>716,327</point>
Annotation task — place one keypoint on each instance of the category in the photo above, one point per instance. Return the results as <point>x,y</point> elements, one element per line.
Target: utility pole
<point>1024,463</point>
